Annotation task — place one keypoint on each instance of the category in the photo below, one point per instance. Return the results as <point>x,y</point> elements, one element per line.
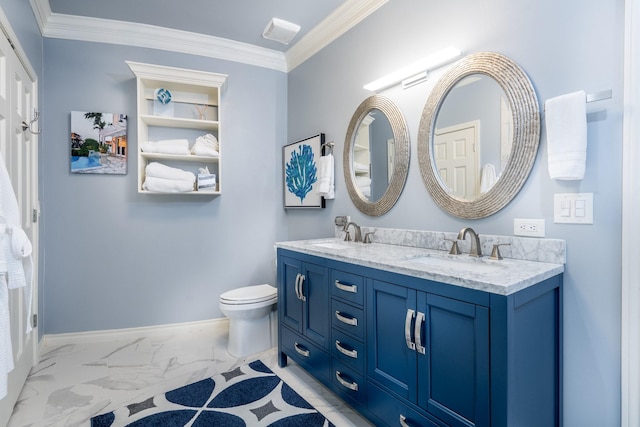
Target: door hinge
<point>35,215</point>
<point>34,321</point>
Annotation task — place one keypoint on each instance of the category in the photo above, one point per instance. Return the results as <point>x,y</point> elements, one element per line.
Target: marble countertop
<point>503,277</point>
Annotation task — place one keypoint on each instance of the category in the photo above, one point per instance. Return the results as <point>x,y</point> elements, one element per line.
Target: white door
<point>456,157</point>
<point>18,100</point>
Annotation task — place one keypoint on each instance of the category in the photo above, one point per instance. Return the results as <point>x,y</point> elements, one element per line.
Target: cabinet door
<point>289,303</point>
<point>315,288</point>
<point>390,324</point>
<point>453,372</point>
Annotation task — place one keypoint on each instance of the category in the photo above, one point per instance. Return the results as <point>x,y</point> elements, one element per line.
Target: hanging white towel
<point>16,269</point>
<point>326,185</point>
<point>566,125</point>
<point>488,178</point>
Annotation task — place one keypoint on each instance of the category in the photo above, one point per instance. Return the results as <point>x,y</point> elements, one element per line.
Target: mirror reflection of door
<point>457,160</point>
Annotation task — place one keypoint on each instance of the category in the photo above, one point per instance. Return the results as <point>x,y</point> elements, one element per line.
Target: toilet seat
<point>249,295</point>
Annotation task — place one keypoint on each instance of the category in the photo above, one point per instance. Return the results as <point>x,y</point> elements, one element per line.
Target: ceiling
<point>238,20</point>
<point>226,29</point>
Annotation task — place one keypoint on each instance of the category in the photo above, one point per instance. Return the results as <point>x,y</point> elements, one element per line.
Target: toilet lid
<point>249,294</point>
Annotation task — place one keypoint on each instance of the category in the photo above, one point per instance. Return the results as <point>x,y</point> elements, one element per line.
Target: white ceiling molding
<point>71,27</point>
<point>341,20</point>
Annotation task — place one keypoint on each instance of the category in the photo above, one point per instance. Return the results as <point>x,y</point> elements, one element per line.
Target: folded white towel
<point>488,178</point>
<point>360,167</point>
<point>159,170</point>
<point>326,186</point>
<point>167,146</point>
<point>566,125</point>
<point>163,185</point>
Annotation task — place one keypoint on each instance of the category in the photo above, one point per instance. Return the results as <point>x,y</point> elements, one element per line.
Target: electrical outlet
<point>528,227</point>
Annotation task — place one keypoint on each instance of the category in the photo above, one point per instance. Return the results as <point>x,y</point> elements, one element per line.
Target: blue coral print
<point>301,172</point>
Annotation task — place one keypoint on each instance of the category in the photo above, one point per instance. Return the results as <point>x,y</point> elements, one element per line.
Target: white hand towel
<point>163,185</point>
<point>159,170</point>
<point>326,185</point>
<point>488,178</point>
<point>566,125</point>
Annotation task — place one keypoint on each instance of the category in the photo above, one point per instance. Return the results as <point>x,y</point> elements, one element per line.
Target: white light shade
<point>428,63</point>
<point>280,30</point>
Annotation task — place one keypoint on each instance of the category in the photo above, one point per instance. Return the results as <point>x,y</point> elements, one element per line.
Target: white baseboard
<point>131,333</point>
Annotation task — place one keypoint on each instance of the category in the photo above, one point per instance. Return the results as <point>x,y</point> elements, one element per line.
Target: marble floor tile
<point>75,381</point>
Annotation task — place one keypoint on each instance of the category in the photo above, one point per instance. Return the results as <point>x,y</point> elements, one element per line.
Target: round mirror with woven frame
<point>395,175</point>
<point>525,111</point>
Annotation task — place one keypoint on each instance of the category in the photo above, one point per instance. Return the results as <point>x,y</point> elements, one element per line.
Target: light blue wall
<point>563,46</point>
<point>114,258</point>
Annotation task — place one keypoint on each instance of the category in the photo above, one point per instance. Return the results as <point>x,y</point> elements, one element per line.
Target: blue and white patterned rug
<point>250,395</point>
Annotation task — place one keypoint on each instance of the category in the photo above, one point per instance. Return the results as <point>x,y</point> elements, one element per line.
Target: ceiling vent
<point>280,31</point>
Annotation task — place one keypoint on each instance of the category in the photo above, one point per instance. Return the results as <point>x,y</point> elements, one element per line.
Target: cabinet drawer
<point>305,354</point>
<point>394,412</point>
<point>347,318</point>
<point>349,287</point>
<point>348,350</point>
<point>348,382</point>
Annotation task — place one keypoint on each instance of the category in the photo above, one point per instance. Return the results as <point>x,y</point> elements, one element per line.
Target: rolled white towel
<point>166,146</point>
<point>159,170</point>
<point>163,185</point>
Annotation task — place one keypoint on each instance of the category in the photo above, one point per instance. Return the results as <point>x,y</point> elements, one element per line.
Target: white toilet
<point>250,311</point>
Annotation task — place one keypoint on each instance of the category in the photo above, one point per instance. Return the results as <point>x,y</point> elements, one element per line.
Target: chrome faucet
<point>358,232</point>
<point>475,250</point>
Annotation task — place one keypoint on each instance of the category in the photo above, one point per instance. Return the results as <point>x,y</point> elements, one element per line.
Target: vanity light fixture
<point>280,30</point>
<point>415,73</point>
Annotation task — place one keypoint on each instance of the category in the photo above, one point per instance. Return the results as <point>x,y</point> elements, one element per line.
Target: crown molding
<point>341,20</point>
<point>71,27</point>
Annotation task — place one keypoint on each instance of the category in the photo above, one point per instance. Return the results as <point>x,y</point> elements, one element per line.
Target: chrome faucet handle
<point>495,252</point>
<point>455,250</point>
<point>347,236</point>
<point>367,236</point>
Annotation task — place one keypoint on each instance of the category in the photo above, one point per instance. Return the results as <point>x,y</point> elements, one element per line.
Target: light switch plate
<point>573,208</point>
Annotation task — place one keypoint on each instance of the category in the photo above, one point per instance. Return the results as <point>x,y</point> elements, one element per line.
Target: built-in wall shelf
<point>194,110</point>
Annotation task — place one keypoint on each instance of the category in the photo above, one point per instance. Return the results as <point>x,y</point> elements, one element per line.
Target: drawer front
<point>305,354</point>
<point>394,412</point>
<point>349,287</point>
<point>348,382</point>
<point>348,350</point>
<point>347,318</point>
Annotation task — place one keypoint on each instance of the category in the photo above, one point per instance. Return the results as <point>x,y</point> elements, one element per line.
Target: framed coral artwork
<point>301,173</point>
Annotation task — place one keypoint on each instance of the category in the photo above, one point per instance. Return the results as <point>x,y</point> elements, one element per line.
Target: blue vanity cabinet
<point>303,306</point>
<point>430,350</point>
<point>408,351</point>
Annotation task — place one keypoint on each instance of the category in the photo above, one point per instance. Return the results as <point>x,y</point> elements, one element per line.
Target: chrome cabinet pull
<point>347,384</point>
<point>346,288</point>
<point>297,286</point>
<point>403,421</point>
<point>301,351</point>
<point>417,333</point>
<point>302,297</point>
<point>407,329</point>
<point>353,321</point>
<point>351,353</point>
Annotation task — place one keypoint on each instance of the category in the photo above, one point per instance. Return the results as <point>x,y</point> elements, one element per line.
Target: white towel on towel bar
<point>566,125</point>
<point>488,178</point>
<point>326,185</point>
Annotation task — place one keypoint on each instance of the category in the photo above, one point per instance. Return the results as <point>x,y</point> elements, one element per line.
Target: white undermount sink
<point>331,244</point>
<point>460,262</point>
